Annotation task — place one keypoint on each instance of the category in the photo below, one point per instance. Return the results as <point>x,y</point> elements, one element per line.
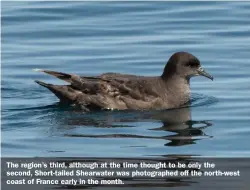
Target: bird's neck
<point>177,89</point>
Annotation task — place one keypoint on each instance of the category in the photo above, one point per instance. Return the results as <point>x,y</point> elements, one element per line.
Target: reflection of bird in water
<point>176,121</point>
<point>180,122</point>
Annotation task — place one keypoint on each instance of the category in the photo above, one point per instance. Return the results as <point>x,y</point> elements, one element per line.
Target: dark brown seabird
<point>123,91</point>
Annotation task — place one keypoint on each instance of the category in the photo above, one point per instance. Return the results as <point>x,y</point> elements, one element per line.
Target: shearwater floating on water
<point>124,91</point>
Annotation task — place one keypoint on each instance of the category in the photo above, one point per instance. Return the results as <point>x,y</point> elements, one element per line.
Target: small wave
<point>202,100</point>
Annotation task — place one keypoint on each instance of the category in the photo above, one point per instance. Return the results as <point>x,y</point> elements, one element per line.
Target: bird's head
<point>185,65</point>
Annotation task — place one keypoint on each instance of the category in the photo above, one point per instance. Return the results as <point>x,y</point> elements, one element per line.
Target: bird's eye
<point>192,64</point>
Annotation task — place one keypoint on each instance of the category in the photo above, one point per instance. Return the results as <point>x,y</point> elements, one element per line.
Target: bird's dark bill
<point>202,72</point>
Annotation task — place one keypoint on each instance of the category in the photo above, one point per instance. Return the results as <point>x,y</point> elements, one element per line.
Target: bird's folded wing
<point>129,86</point>
<point>113,84</point>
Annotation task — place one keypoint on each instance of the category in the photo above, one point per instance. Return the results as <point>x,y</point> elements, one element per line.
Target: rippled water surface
<point>90,38</point>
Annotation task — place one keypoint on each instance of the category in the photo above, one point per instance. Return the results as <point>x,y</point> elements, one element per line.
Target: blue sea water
<point>90,38</point>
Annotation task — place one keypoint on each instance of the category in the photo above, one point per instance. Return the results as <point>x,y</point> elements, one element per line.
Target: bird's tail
<point>65,93</point>
<point>49,86</point>
<point>75,80</point>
